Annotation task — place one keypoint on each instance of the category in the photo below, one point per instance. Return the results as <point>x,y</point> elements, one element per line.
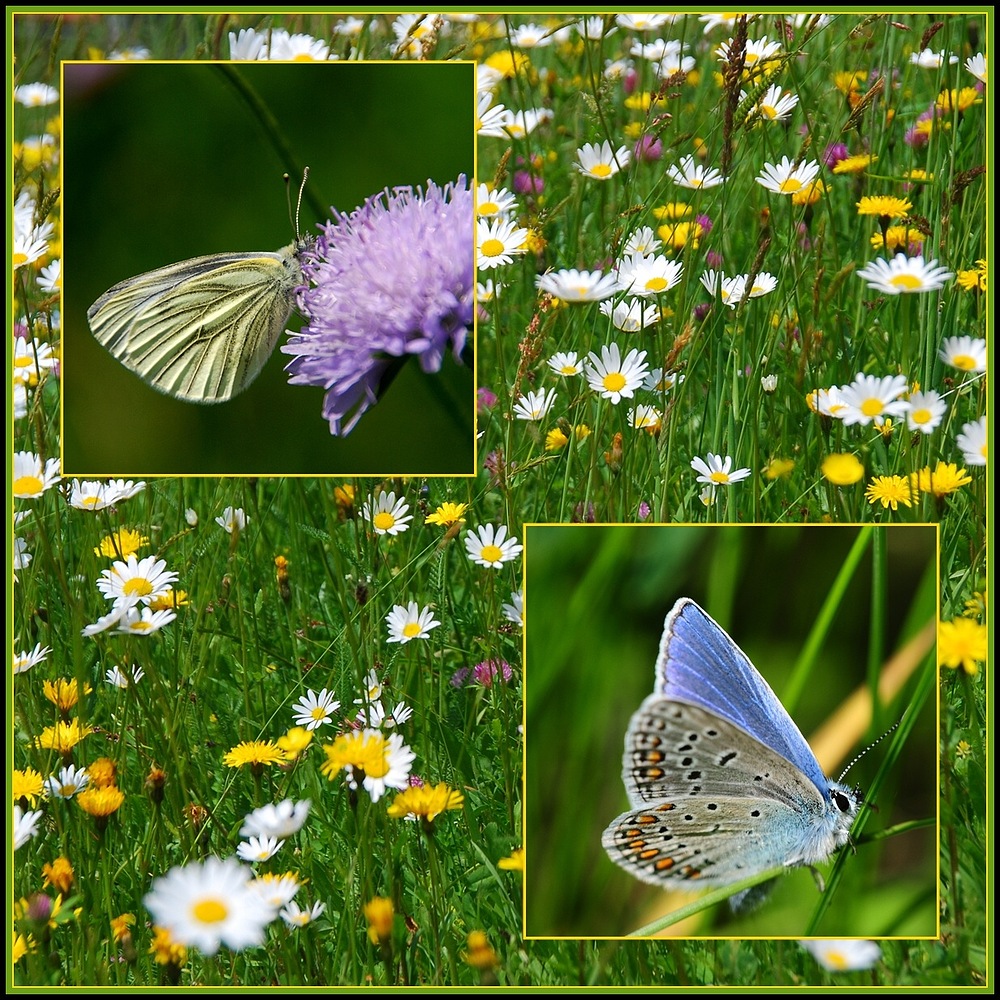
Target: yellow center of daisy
<point>303,57</point>
<point>488,208</point>
<point>872,407</point>
<point>982,450</point>
<point>138,586</point>
<point>568,370</point>
<point>383,520</point>
<point>719,477</point>
<point>22,362</point>
<point>491,553</point>
<point>921,416</point>
<point>209,911</point>
<point>790,185</point>
<point>694,182</point>
<point>656,284</point>
<point>318,713</point>
<point>964,361</point>
<point>27,485</point>
<point>614,382</point>
<point>19,259</point>
<point>769,110</point>
<point>67,790</point>
<point>907,281</point>
<point>491,248</point>
<point>139,626</point>
<point>836,959</point>
<point>601,170</point>
<point>410,629</point>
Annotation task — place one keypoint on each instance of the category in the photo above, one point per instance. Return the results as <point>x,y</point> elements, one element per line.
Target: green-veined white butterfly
<point>202,330</point>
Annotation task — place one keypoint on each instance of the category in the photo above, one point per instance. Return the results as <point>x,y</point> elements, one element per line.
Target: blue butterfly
<point>722,784</point>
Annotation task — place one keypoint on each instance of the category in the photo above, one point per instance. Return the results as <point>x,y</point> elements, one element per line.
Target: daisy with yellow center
<point>32,476</point>
<point>489,546</point>
<point>613,378</point>
<point>388,516</point>
<point>425,803</point>
<point>844,956</point>
<point>448,514</point>
<point>904,275</point>
<point>890,491</point>
<point>787,177</point>
<point>717,470</point>
<point>313,710</point>
<point>842,469</point>
<point>371,759</point>
<point>133,581</point>
<point>601,162</point>
<point>967,354</point>
<point>496,203</point>
<point>410,622</point>
<point>498,242</point>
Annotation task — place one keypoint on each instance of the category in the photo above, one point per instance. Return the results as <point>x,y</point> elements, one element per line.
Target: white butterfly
<point>202,330</point>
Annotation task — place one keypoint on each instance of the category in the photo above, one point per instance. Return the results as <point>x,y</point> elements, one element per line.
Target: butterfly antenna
<point>891,729</point>
<point>298,204</point>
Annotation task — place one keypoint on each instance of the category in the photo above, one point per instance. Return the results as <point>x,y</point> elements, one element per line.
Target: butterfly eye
<point>842,801</point>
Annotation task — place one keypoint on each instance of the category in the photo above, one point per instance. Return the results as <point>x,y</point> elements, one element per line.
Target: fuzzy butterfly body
<point>201,330</point>
<point>722,784</point>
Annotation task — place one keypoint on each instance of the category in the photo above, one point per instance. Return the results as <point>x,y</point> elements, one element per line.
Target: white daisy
<point>498,242</point>
<point>925,411</point>
<point>295,916</point>
<point>967,354</point>
<point>281,820</point>
<point>275,891</point>
<point>205,904</point>
<point>313,710</point>
<point>600,162</point>
<point>691,174</point>
<point>488,290</point>
<point>649,274</point>
<point>293,48</point>
<point>776,105</point>
<point>844,956</point>
<point>565,363</point>
<point>28,247</point>
<point>534,405</point>
<point>755,51</point>
<point>657,381</point>
<point>121,489</point>
<point>643,240</point>
<point>786,177</point>
<point>489,546</point>
<point>410,622</point>
<point>769,383</point>
<point>22,557</point>
<point>976,65</point>
<point>972,442</point>
<point>929,59</point>
<point>869,398</point>
<point>145,622</point>
<point>530,36</point>
<point>258,849</point>
<point>232,519</point>
<point>716,470</point>
<point>593,29</point>
<point>394,763</point>
<point>826,402</point>
<point>117,677</point>
<point>498,203</point>
<point>25,825</point>
<point>27,659</point>
<point>571,285</point>
<point>522,123</point>
<point>641,22</point>
<point>644,417</point>
<point>67,782</point>
<point>36,95</point>
<point>631,315</point>
<point>514,612</point>
<point>613,378</point>
<point>388,516</point>
<point>136,581</point>
<point>32,477</point>
<point>32,358</point>
<point>491,119</point>
<point>903,275</point>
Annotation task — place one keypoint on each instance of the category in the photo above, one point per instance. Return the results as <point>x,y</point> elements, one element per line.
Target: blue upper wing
<point>701,665</point>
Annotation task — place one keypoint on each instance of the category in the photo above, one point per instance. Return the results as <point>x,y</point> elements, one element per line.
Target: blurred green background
<point>163,162</point>
<point>595,600</point>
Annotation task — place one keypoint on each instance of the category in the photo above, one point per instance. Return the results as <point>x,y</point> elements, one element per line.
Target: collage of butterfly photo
<point>499,499</point>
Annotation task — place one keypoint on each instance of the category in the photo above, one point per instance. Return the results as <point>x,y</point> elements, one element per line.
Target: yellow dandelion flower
<point>854,164</point>
<point>448,514</point>
<point>480,954</point>
<point>28,784</point>
<point>515,862</point>
<point>59,873</point>
<point>426,803</point>
<point>165,950</point>
<point>973,280</point>
<point>101,803</point>
<point>779,468</point>
<point>555,440</point>
<point>958,100</point>
<point>842,469</point>
<point>102,772</point>
<point>944,478</point>
<point>121,925</point>
<point>508,63</point>
<point>256,753</point>
<point>886,206</point>
<point>890,491</point>
<point>963,643</point>
<point>379,913</point>
<point>810,193</point>
<point>898,239</point>
<point>63,736</point>
<point>63,693</point>
<point>121,544</point>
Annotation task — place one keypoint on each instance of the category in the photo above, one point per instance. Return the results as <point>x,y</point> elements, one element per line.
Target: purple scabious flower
<point>392,278</point>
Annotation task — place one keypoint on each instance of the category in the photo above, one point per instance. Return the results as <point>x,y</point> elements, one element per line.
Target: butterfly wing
<point>713,805</point>
<point>700,664</point>
<point>200,330</point>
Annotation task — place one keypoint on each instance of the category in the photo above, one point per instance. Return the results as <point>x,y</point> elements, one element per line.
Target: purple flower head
<point>713,258</point>
<point>525,182</point>
<point>705,222</point>
<point>490,671</point>
<point>834,153</point>
<point>701,311</point>
<point>486,399</point>
<point>391,279</point>
<point>643,510</point>
<point>649,148</point>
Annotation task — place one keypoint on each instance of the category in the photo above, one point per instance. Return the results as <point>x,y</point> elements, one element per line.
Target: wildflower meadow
<point>719,283</point>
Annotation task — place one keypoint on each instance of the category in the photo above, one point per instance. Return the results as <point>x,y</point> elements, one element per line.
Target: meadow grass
<point>802,395</point>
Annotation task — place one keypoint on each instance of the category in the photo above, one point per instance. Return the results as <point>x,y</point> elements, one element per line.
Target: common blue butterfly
<point>722,784</point>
